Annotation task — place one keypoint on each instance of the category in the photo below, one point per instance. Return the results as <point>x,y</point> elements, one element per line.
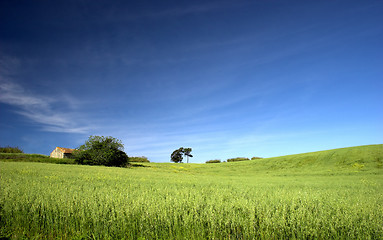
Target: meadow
<point>335,194</point>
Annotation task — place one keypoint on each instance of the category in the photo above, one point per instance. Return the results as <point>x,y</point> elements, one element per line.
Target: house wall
<point>57,153</point>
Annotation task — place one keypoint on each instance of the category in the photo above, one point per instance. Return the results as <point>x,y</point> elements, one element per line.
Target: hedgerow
<point>214,161</point>
<point>237,159</point>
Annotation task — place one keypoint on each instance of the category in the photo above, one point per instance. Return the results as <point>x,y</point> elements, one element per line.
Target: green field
<point>335,194</point>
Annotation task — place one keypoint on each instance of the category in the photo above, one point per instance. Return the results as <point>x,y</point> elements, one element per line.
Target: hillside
<point>367,158</point>
<point>334,194</point>
<point>360,158</point>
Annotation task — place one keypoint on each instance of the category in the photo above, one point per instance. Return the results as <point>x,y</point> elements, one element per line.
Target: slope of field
<point>367,158</point>
<point>360,158</point>
<point>276,198</point>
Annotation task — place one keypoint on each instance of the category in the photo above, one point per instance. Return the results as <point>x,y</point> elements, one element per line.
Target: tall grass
<point>48,201</point>
<point>190,201</point>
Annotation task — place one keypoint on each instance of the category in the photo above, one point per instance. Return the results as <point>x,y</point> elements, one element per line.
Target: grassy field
<point>335,194</point>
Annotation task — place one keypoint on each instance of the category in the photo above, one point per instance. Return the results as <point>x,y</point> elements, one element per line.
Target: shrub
<point>9,149</point>
<point>214,161</point>
<point>107,151</point>
<point>106,157</point>
<point>24,157</point>
<point>237,159</point>
<point>138,159</point>
<point>255,158</point>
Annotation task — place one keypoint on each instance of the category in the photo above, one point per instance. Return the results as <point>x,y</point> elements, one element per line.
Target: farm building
<point>60,152</point>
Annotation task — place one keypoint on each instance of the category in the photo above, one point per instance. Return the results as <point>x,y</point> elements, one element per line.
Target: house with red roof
<point>60,152</point>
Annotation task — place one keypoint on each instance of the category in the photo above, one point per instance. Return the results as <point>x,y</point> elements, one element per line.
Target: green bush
<point>214,161</point>
<point>255,158</point>
<point>106,157</point>
<point>138,159</point>
<point>9,149</point>
<point>237,159</point>
<point>107,151</point>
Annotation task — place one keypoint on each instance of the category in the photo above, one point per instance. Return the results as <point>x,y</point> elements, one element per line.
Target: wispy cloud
<point>15,95</point>
<point>37,108</point>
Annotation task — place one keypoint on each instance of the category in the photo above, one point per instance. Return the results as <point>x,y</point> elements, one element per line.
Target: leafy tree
<point>101,141</point>
<point>177,155</point>
<point>100,150</point>
<point>187,152</point>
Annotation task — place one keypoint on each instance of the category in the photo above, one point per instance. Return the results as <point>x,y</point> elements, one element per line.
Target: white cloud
<point>14,94</point>
<point>39,109</point>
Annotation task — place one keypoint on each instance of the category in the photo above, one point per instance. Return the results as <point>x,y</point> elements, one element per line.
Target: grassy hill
<point>360,158</point>
<point>334,194</point>
<point>369,157</point>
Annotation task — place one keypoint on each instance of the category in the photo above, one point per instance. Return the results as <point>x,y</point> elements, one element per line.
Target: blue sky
<point>226,78</point>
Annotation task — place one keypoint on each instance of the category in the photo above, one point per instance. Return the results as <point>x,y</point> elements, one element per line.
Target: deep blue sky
<point>226,78</point>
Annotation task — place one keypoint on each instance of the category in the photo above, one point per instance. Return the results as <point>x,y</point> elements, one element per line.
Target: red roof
<point>66,150</point>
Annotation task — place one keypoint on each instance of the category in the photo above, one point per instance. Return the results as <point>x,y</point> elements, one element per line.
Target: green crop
<point>241,200</point>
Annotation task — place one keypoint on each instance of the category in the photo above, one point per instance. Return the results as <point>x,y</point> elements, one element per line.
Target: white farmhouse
<point>60,152</point>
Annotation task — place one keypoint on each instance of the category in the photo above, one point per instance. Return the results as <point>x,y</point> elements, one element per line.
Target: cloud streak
<point>40,109</point>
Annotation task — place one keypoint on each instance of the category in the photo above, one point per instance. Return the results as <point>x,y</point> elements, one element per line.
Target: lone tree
<point>177,155</point>
<point>187,152</point>
<point>100,150</point>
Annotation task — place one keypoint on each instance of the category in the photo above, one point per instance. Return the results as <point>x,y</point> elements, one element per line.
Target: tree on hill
<point>187,152</point>
<point>177,155</point>
<point>100,150</point>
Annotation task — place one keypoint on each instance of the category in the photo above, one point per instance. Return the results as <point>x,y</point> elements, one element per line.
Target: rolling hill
<point>367,157</point>
<point>359,158</point>
<point>333,194</point>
